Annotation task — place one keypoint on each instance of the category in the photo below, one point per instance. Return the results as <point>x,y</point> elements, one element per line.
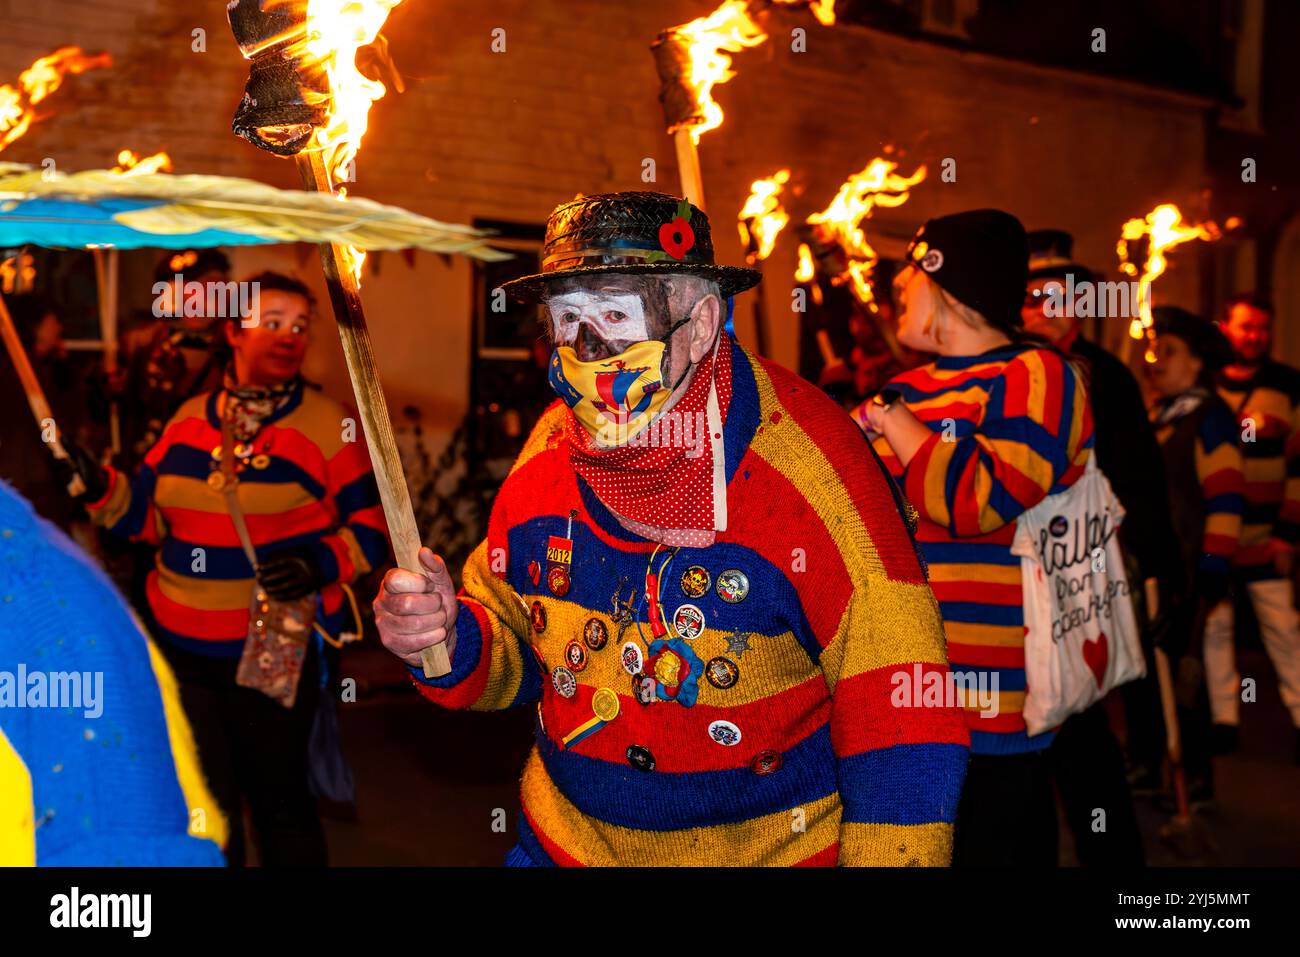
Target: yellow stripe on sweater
<point>772,840</point>
<point>896,845</point>
<point>17,824</point>
<point>205,817</point>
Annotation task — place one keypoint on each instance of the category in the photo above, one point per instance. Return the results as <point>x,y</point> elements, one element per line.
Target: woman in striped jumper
<point>976,438</point>
<point>1203,466</point>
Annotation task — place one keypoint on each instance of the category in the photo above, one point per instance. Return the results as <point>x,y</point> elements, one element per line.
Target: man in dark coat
<point>1088,762</point>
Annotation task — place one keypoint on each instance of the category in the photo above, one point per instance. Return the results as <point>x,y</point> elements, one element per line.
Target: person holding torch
<point>700,578</point>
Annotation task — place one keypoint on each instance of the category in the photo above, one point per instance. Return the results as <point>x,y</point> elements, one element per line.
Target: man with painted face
<point>702,580</point>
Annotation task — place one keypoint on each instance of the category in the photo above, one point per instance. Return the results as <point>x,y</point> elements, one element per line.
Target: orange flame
<point>763,217</point>
<point>729,28</point>
<point>804,272</point>
<point>336,30</point>
<point>130,163</point>
<point>823,10</point>
<point>38,81</point>
<point>841,221</point>
<point>1163,228</point>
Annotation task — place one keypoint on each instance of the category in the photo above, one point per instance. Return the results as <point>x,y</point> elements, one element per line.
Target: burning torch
<point>692,58</point>
<point>761,220</point>
<point>17,113</point>
<point>305,98</point>
<point>835,241</point>
<point>1141,248</point>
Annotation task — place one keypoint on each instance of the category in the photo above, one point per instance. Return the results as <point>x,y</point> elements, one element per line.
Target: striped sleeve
<point>360,542</point>
<point>493,665</point>
<point>1219,471</point>
<point>127,509</point>
<point>1035,434</point>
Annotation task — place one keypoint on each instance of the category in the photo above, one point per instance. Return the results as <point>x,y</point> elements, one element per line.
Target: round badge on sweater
<point>640,758</point>
<point>724,733</point>
<point>557,580</point>
<point>632,658</point>
<point>722,672</point>
<point>605,704</point>
<point>688,621</point>
<point>932,261</point>
<point>261,461</point>
<point>595,634</point>
<point>575,656</point>
<point>538,617</point>
<point>733,585</point>
<point>566,685</point>
<point>765,762</point>
<point>696,581</point>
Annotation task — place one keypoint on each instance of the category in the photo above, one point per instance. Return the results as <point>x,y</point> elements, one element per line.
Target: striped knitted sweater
<point>1217,462</point>
<point>304,480</point>
<point>768,735</point>
<point>1011,426</point>
<point>111,782</point>
<point>1268,409</point>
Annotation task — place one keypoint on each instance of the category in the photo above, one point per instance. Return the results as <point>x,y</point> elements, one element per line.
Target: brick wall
<point>571,106</point>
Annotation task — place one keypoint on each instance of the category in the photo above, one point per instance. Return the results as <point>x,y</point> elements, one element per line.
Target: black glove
<point>291,574</point>
<point>81,463</point>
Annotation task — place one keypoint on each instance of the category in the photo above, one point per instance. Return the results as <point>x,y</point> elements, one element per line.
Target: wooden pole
<point>106,274</point>
<point>345,296</point>
<point>40,406</point>
<point>688,164</point>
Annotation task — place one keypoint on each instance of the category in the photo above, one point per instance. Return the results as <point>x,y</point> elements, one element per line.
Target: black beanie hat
<point>1202,336</point>
<point>981,257</point>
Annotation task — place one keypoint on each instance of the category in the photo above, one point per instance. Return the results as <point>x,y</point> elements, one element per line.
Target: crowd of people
<point>770,579</point>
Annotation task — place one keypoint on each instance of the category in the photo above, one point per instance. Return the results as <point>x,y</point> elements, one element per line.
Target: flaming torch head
<point>304,90</point>
<point>1141,248</point>
<point>45,75</point>
<point>836,233</point>
<point>693,58</point>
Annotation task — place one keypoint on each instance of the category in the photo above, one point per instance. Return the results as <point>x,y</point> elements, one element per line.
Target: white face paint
<point>613,317</point>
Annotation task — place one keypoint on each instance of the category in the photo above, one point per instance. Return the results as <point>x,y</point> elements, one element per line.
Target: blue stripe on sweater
<point>905,784</point>
<point>665,801</point>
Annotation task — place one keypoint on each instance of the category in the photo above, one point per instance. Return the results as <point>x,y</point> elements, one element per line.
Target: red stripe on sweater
<point>984,656</point>
<point>194,623</point>
<point>827,858</point>
<point>796,713</point>
<point>979,592</point>
<point>215,529</point>
<point>878,709</point>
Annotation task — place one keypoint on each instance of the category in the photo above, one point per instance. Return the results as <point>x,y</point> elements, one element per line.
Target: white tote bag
<point>1081,636</point>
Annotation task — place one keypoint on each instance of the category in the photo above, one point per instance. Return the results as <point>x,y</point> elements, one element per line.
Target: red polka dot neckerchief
<point>661,486</point>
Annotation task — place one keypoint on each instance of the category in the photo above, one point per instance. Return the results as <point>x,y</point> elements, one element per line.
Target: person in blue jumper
<point>97,763</point>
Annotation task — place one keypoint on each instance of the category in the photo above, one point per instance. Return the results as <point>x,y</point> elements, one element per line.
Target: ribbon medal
<point>559,561</point>
<point>605,708</point>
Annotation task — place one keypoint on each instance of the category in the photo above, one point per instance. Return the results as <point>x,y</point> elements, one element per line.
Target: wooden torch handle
<point>345,296</point>
<point>40,406</point>
<point>688,165</point>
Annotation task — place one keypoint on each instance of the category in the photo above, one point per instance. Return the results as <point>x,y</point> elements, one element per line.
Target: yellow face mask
<point>616,398</point>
